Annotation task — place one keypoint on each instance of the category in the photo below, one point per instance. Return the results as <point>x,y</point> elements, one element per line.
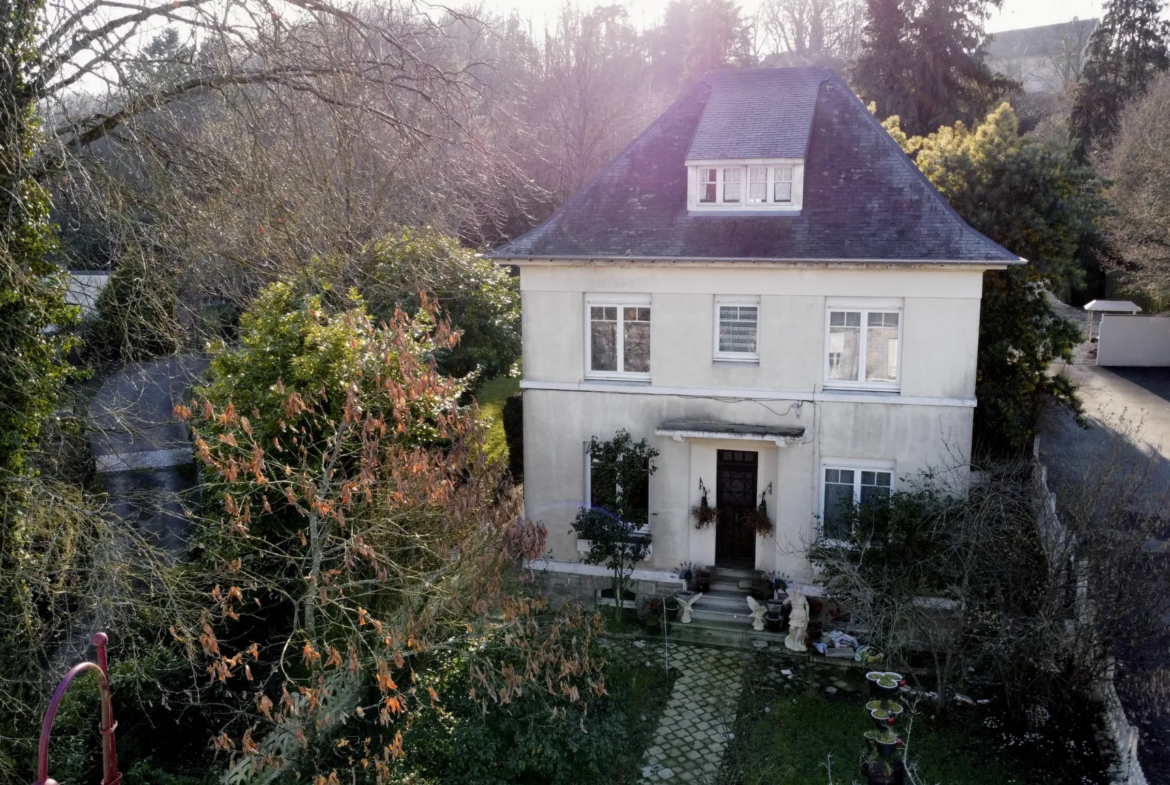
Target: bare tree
<point>1139,166</point>
<point>813,31</point>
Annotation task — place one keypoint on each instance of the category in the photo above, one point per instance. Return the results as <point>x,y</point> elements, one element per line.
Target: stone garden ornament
<point>685,605</point>
<point>797,621</point>
<point>758,611</point>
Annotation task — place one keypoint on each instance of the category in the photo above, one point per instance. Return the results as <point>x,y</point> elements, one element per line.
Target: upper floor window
<point>708,185</point>
<point>737,329</point>
<point>731,190</point>
<point>862,347</point>
<point>756,185</point>
<point>618,338</point>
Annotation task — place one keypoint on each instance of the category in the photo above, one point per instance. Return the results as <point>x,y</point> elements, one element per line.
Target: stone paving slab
<point>695,727</point>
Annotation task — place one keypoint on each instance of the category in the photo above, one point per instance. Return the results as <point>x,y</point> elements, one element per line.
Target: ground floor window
<point>842,487</point>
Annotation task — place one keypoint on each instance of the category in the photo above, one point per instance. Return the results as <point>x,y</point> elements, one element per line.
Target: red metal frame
<point>110,775</point>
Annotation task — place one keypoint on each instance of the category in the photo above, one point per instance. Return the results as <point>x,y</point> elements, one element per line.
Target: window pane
<point>738,328</point>
<point>874,486</point>
<point>838,498</point>
<point>783,186</point>
<point>758,184</point>
<point>639,499</point>
<point>731,185</point>
<point>603,338</point>
<point>881,350</point>
<point>636,357</point>
<point>707,185</point>
<point>844,345</point>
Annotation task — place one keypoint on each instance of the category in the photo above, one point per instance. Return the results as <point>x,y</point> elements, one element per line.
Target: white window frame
<point>584,546</point>
<point>865,306</point>
<point>769,205</point>
<point>618,301</point>
<point>739,357</point>
<point>857,466</point>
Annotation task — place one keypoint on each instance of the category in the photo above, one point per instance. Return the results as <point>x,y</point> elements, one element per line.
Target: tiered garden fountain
<point>884,763</point>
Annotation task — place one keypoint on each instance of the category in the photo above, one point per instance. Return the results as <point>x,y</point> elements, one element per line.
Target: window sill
<point>638,379</point>
<point>742,359</point>
<point>838,387</point>
<point>733,211</point>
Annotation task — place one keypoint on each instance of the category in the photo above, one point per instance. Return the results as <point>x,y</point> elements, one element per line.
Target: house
<point>766,288</point>
<point>1042,59</point>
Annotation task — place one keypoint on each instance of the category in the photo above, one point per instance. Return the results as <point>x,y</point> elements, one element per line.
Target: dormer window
<point>708,185</point>
<point>731,185</point>
<point>782,177</point>
<point>751,186</point>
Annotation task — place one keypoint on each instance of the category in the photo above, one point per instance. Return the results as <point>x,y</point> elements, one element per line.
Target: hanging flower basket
<point>703,512</point>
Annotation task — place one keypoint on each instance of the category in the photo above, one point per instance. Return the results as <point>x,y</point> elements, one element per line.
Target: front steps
<point>722,618</point>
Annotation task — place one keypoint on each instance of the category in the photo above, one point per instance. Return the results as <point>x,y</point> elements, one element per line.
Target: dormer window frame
<point>732,189</point>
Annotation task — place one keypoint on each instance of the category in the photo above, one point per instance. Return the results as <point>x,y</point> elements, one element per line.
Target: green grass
<point>785,736</point>
<point>641,694</point>
<point>491,397</point>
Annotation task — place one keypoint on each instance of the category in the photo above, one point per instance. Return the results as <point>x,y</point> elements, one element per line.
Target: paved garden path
<point>693,733</point>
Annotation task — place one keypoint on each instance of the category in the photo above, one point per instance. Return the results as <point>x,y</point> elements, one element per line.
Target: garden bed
<point>789,728</point>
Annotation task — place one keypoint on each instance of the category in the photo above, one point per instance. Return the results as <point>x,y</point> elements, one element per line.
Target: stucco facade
<point>926,424</point>
<point>766,288</point>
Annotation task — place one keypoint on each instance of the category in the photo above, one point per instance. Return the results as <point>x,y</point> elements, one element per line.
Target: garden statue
<point>685,605</point>
<point>797,621</point>
<point>758,611</point>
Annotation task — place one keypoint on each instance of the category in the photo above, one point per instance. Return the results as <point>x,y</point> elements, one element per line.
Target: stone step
<point>732,574</point>
<point>731,600</point>
<point>729,586</point>
<point>725,632</point>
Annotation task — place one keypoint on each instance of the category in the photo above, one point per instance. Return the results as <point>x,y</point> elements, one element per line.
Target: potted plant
<point>688,572</point>
<point>652,615</point>
<point>884,742</point>
<point>879,771</point>
<point>885,685</point>
<point>762,587</point>
<point>703,512</point>
<point>703,580</point>
<point>886,715</point>
<point>775,620</point>
<point>672,605</point>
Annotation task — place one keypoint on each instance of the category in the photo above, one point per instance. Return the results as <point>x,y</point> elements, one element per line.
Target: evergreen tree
<point>1126,53</point>
<point>698,36</point>
<point>32,304</point>
<point>924,61</point>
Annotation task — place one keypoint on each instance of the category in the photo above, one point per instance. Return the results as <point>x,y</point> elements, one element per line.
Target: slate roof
<point>766,113</point>
<point>864,199</point>
<point>1042,41</point>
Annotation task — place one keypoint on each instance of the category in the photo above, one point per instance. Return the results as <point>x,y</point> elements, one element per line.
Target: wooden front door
<point>735,496</point>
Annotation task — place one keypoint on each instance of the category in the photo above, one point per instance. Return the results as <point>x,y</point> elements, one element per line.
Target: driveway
<point>1128,413</point>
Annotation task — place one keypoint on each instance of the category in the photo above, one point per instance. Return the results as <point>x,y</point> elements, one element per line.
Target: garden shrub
<point>136,313</point>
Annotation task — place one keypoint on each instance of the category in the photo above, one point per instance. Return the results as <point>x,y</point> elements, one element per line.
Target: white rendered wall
<point>1134,340</point>
<point>940,323</point>
<point>927,425</point>
<point>558,424</point>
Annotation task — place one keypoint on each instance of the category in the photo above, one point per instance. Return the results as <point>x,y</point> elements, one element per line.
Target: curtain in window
<point>844,345</point>
<point>636,357</point>
<point>881,347</point>
<point>738,328</point>
<point>603,338</point>
<point>783,186</point>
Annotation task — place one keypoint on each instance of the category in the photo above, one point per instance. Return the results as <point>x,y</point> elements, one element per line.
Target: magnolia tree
<point>360,536</point>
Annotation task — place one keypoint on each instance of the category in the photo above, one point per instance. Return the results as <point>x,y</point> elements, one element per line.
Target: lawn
<point>491,397</point>
<point>640,688</point>
<point>788,729</point>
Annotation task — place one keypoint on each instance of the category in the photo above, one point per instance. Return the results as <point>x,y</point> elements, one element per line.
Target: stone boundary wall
<point>577,581</point>
<point>1121,732</point>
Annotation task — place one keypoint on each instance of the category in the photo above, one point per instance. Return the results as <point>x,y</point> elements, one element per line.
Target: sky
<point>1015,13</point>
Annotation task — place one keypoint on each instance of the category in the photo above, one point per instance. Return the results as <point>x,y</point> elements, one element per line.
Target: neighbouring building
<point>1043,59</point>
<point>767,289</point>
